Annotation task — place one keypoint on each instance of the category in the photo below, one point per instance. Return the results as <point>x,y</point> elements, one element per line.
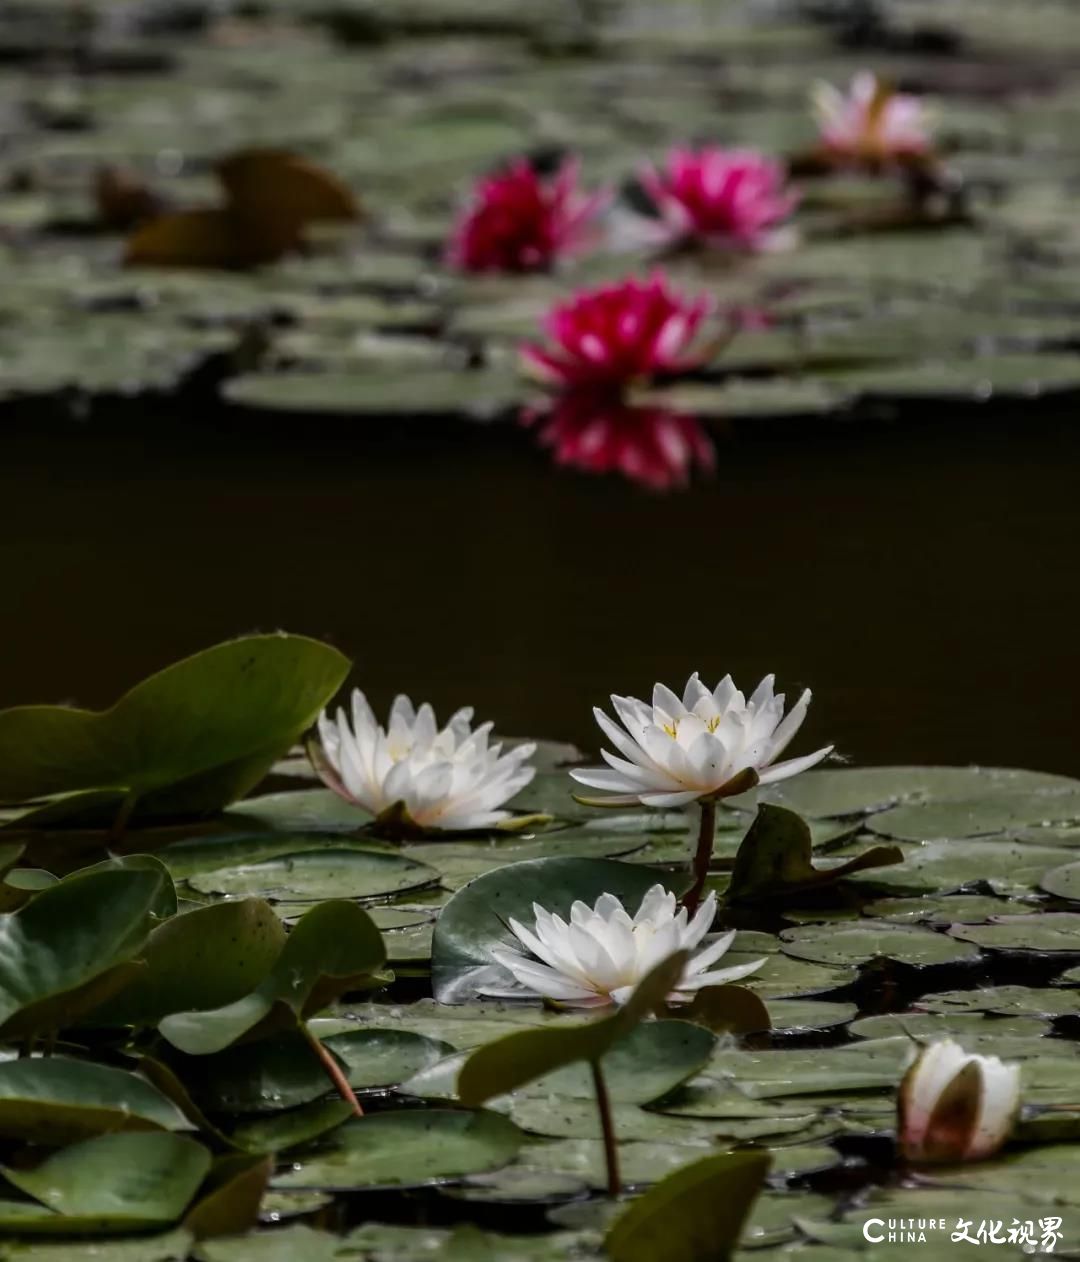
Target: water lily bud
<point>956,1106</point>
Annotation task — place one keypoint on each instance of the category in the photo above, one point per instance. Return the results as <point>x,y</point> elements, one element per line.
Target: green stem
<point>607,1126</point>
<point>702,856</point>
<point>333,1072</point>
<point>123,815</point>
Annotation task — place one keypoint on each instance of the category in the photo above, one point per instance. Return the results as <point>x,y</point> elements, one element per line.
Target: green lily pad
<point>775,1074</point>
<point>1063,881</point>
<point>378,392</point>
<point>474,920</point>
<point>1006,865</point>
<point>1007,1000</point>
<point>333,949</point>
<point>114,1183</point>
<point>383,1058</point>
<point>1047,931</point>
<point>407,1149</point>
<point>185,741</point>
<point>319,874</point>
<point>695,1214</point>
<point>859,942</point>
<point>207,957</point>
<point>289,1128</point>
<point>281,1072</point>
<point>977,816</point>
<point>58,1100</point>
<point>958,1025</point>
<point>860,790</point>
<point>72,946</point>
<point>793,1015</point>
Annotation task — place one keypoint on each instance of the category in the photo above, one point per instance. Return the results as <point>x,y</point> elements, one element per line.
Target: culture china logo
<point>1033,1236</point>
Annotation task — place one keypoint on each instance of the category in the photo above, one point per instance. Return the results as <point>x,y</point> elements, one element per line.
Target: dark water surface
<point>923,580</point>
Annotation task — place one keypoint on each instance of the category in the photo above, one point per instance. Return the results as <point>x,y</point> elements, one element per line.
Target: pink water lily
<point>619,334</point>
<point>521,221</point>
<point>872,123</point>
<point>732,199</point>
<point>655,447</point>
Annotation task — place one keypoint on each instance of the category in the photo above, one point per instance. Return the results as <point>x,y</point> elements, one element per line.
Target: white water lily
<point>445,778</point>
<point>677,751</point>
<point>601,954</point>
<point>956,1106</point>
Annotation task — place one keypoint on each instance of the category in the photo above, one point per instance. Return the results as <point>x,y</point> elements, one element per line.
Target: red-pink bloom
<point>598,434</point>
<point>734,199</point>
<point>872,123</point>
<point>617,334</point>
<point>520,221</point>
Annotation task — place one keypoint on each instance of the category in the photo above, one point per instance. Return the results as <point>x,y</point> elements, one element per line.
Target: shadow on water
<point>921,579</point>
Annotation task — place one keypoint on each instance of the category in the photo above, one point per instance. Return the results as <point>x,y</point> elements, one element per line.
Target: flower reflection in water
<point>597,433</point>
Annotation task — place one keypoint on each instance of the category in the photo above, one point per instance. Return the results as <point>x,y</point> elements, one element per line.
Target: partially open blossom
<point>956,1106</point>
<point>595,433</point>
<point>616,335</point>
<point>444,778</point>
<point>732,199</point>
<point>521,221</point>
<point>873,123</point>
<point>601,954</point>
<point>678,751</point>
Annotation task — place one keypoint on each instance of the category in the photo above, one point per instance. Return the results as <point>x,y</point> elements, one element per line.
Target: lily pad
<point>334,948</point>
<point>859,942</point>
<point>977,816</point>
<point>408,1149</point>
<point>319,874</point>
<point>1047,931</point>
<point>57,1100</point>
<point>72,946</point>
<point>185,741</point>
<point>125,1182</point>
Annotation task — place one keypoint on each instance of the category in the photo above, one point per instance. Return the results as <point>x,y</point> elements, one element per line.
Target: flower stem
<point>333,1072</point>
<point>607,1126</point>
<point>702,855</point>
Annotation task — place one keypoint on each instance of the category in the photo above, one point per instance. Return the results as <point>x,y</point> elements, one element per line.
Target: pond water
<point>921,580</point>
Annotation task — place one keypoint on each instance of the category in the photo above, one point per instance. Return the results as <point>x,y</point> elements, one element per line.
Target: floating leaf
<point>319,874</point>
<point>72,947</point>
<point>206,957</point>
<point>126,1182</point>
<point>229,1204</point>
<point>866,940</point>
<point>58,1100</point>
<point>694,1215</point>
<point>333,949</point>
<point>407,1149</point>
<point>185,741</point>
<point>1046,931</point>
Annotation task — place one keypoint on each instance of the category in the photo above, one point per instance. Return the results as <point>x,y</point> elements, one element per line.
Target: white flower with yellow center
<point>601,954</point>
<point>443,778</point>
<point>956,1106</point>
<point>676,751</point>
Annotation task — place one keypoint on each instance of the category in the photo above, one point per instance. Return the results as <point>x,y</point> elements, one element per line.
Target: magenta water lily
<point>522,221</point>
<point>726,199</point>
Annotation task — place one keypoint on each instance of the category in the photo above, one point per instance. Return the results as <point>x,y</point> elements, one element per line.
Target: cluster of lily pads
<point>247,1014</point>
<point>919,276</point>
